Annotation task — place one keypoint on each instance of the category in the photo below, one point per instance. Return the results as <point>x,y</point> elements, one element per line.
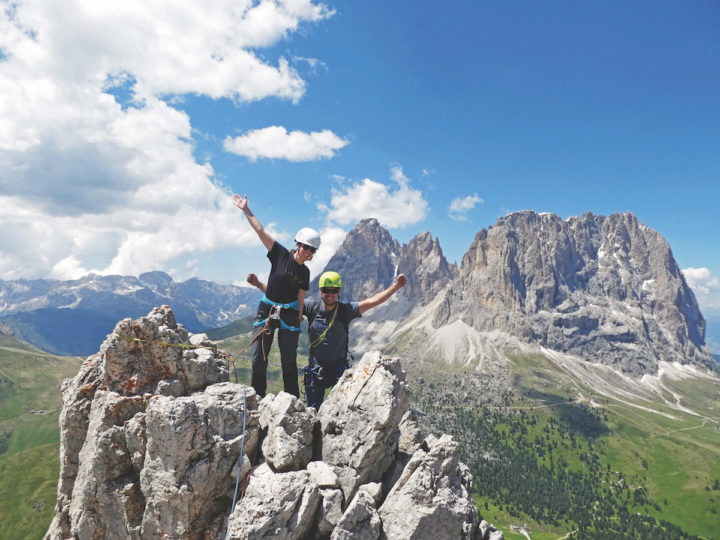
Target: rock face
<point>360,422</point>
<point>152,433</point>
<point>5,331</point>
<point>141,453</point>
<point>606,289</point>
<point>369,260</point>
<point>426,268</point>
<point>435,483</point>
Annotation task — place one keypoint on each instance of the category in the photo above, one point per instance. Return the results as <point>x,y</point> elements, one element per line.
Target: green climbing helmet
<point>330,279</point>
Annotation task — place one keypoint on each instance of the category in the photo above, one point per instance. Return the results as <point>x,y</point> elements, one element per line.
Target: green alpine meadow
<point>30,404</point>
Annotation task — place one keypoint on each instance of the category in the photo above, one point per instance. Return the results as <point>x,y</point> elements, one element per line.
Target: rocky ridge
<point>152,433</point>
<point>603,289</point>
<point>369,259</point>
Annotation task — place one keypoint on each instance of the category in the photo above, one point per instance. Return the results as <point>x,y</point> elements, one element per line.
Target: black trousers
<point>287,342</point>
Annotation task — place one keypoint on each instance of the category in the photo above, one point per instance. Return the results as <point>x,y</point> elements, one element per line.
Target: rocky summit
<point>157,443</point>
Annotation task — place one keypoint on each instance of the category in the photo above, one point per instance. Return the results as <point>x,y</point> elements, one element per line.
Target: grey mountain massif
<point>73,317</point>
<point>603,289</point>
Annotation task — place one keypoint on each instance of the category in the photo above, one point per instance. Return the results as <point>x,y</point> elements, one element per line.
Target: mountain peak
<point>601,288</point>
<point>370,259</point>
<point>156,278</point>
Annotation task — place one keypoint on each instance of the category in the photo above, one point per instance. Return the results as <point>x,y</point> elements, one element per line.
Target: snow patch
<point>675,371</point>
<point>620,387</point>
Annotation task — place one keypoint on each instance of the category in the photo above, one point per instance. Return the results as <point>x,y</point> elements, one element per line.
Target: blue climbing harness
<point>275,313</point>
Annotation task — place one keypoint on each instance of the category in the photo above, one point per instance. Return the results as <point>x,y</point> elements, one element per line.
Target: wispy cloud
<point>460,206</point>
<point>275,142</point>
<point>98,165</point>
<point>394,206</point>
<point>331,239</point>
<point>705,286</point>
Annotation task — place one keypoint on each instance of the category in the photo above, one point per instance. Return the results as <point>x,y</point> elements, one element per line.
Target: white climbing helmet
<point>308,236</point>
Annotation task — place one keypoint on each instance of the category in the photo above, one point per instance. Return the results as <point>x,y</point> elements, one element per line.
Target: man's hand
<point>400,282</point>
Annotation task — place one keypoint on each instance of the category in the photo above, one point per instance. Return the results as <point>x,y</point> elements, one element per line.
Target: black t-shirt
<point>287,277</point>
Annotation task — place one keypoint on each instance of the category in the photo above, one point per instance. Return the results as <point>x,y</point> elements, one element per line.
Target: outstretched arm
<point>242,204</point>
<point>380,297</point>
<point>253,280</point>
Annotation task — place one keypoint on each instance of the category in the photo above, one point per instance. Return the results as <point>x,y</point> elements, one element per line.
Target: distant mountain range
<point>73,317</point>
<point>606,290</point>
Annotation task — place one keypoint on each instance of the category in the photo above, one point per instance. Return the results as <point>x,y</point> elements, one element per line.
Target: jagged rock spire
<point>369,260</point>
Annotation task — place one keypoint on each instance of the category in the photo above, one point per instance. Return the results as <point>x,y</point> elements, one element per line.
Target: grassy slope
<point>30,380</point>
<point>238,327</point>
<point>676,456</point>
<point>27,491</point>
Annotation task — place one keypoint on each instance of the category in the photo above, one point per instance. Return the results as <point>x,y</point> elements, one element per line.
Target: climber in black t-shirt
<point>287,284</point>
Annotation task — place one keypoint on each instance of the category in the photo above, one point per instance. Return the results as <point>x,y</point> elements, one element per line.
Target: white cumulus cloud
<point>394,206</point>
<point>460,206</point>
<point>97,171</point>
<point>330,240</point>
<point>275,142</point>
<point>705,286</point>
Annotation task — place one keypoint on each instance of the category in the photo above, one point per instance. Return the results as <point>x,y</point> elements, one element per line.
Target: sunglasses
<point>330,290</point>
<point>307,248</point>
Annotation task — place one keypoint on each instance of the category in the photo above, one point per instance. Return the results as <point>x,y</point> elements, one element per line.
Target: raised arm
<point>253,280</point>
<point>380,297</point>
<point>242,204</point>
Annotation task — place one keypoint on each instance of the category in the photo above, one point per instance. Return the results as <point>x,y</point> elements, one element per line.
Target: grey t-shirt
<point>331,349</point>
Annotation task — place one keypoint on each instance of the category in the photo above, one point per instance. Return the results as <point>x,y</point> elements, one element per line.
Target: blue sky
<point>125,128</point>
